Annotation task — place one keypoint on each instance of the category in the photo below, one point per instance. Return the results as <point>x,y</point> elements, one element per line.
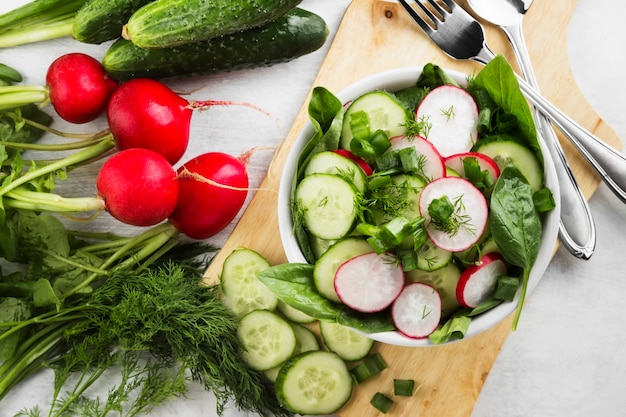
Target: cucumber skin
<point>99,21</point>
<point>296,33</point>
<point>164,23</point>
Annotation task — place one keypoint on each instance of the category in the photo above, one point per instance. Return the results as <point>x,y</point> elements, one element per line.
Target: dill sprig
<point>163,328</point>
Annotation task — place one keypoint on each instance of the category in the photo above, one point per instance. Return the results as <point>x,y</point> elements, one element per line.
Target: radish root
<point>186,174</point>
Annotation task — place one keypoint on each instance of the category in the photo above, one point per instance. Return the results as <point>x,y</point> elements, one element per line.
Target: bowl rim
<point>393,80</point>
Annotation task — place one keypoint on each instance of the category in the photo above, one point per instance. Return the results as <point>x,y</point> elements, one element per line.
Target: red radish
<point>369,282</point>
<point>417,310</point>
<point>452,116</point>
<point>213,188</point>
<point>433,162</point>
<point>145,113</point>
<point>478,282</point>
<point>138,186</point>
<point>79,87</point>
<point>468,220</point>
<point>484,162</point>
<point>367,169</point>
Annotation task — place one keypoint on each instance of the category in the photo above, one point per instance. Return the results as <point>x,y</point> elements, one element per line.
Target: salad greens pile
<point>515,210</point>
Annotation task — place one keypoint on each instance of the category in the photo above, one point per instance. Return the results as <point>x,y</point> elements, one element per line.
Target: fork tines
<point>434,12</point>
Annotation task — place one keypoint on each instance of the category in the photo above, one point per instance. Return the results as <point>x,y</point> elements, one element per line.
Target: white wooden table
<point>566,359</point>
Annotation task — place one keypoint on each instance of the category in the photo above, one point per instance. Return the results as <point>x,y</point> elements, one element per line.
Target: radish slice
<point>434,166</point>
<point>485,163</point>
<point>470,213</point>
<point>369,282</point>
<point>452,116</point>
<point>478,282</point>
<point>417,310</point>
<point>360,161</point>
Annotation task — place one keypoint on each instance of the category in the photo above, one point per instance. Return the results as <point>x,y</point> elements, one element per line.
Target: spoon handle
<point>576,228</point>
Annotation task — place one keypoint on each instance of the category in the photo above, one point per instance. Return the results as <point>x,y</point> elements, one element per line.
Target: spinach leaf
<point>515,225</point>
<point>367,322</point>
<point>326,115</point>
<point>499,80</point>
<point>293,284</point>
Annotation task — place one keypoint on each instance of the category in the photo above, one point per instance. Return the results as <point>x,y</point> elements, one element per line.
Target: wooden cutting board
<point>376,35</point>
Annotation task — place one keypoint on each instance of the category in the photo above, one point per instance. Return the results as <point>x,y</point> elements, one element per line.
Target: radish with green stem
<point>213,188</point>
<point>145,113</point>
<point>136,186</point>
<point>76,85</point>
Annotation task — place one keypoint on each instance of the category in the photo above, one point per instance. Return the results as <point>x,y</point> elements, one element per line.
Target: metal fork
<point>461,36</point>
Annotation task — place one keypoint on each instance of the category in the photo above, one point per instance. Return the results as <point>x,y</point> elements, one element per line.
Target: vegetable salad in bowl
<point>417,207</point>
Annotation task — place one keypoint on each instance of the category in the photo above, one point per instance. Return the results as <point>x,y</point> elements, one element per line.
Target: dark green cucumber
<point>164,23</point>
<point>102,20</point>
<point>296,33</point>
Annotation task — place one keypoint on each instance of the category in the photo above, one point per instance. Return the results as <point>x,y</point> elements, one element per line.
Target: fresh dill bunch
<point>167,315</point>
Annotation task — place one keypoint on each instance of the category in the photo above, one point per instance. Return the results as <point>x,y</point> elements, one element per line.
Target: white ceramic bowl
<point>394,80</point>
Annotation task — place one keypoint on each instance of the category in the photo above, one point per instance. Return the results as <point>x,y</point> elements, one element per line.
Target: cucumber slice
<point>293,314</point>
<point>319,246</point>
<point>313,383</point>
<point>345,342</point>
<point>444,280</point>
<point>430,257</point>
<point>384,112</point>
<point>510,152</point>
<point>267,338</point>
<point>242,291</point>
<point>328,205</point>
<point>305,341</point>
<point>329,162</point>
<point>326,266</point>
<point>401,198</point>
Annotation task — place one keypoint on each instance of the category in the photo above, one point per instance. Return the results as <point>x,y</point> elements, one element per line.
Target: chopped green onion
<point>380,141</point>
<point>544,200</point>
<point>441,209</point>
<point>419,237</point>
<point>409,160</point>
<point>506,288</point>
<point>370,366</point>
<point>359,125</point>
<point>363,148</point>
<point>376,182</point>
<point>403,387</point>
<point>378,244</point>
<point>388,160</point>
<point>399,228</point>
<point>381,402</point>
<point>409,261</point>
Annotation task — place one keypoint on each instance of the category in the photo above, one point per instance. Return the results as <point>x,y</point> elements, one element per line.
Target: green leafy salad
<point>417,209</point>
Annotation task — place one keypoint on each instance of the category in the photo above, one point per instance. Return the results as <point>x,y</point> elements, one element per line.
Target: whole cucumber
<point>164,23</point>
<point>99,21</point>
<point>296,33</point>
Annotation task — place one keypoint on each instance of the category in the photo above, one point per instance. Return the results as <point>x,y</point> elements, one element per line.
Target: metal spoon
<point>577,229</point>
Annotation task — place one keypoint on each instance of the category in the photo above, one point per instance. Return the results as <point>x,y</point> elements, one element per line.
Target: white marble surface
<point>566,357</point>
